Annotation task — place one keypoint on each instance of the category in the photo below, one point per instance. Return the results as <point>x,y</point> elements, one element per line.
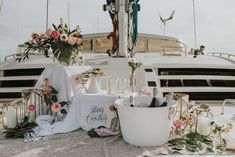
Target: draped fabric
<point>61,78</point>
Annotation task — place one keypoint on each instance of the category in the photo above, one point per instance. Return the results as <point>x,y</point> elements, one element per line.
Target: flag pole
<point>47,9</point>
<point>194,26</point>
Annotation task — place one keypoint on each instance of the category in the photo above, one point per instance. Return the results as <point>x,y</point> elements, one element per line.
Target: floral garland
<point>54,107</point>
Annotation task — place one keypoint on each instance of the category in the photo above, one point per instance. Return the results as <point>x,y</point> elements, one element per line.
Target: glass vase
<point>133,82</point>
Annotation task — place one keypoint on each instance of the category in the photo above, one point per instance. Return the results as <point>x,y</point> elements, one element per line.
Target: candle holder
<point>182,99</point>
<point>33,97</point>
<point>203,121</point>
<point>12,114</point>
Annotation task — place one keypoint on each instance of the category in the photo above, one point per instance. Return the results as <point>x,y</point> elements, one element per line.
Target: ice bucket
<point>145,126</point>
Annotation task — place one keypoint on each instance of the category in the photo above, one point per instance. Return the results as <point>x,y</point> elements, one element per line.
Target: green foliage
<point>25,127</point>
<point>204,106</point>
<point>192,142</point>
<point>134,65</point>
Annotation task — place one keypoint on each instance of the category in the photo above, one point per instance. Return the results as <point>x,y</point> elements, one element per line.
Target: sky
<point>215,22</point>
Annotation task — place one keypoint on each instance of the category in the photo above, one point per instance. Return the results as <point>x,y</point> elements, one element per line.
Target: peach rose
<point>56,107</point>
<point>78,79</point>
<point>72,40</point>
<point>78,41</point>
<point>35,37</point>
<point>55,35</point>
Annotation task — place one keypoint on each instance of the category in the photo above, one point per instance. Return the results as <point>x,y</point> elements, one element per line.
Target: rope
<point>109,2</point>
<point>114,36</point>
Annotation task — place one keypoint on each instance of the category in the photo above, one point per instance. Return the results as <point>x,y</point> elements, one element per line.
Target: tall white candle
<point>204,121</point>
<point>11,118</point>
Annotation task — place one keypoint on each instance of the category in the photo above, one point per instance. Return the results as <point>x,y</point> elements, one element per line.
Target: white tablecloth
<point>86,111</point>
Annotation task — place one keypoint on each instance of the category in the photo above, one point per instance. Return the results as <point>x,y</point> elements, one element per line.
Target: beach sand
<point>74,144</point>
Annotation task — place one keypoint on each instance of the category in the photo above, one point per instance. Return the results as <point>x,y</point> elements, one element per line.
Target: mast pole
<point>47,9</point>
<point>123,28</point>
<point>68,14</point>
<point>194,26</point>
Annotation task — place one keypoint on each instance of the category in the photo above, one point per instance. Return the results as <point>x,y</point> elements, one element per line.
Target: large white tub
<point>144,126</point>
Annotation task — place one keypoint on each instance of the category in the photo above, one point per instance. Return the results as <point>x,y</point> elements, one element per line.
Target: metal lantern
<point>183,99</point>
<point>32,97</point>
<point>12,114</point>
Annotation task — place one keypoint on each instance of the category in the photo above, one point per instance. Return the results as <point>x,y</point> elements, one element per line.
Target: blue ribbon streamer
<point>134,20</point>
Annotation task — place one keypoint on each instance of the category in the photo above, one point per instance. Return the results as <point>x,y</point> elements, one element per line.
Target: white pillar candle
<point>10,116</point>
<point>204,126</point>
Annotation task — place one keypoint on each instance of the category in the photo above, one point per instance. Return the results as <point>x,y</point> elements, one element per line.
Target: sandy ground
<point>74,144</point>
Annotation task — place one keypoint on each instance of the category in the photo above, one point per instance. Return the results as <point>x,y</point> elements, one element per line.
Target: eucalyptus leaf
<point>204,106</point>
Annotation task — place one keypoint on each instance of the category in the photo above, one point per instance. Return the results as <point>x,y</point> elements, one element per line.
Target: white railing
<point>165,52</point>
<point>14,56</point>
<point>227,56</point>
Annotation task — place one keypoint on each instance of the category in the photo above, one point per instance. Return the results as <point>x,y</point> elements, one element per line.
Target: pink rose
<point>78,41</point>
<point>112,107</point>
<point>72,40</point>
<point>78,79</point>
<point>49,31</point>
<point>56,107</point>
<point>31,108</point>
<point>178,123</point>
<point>55,35</point>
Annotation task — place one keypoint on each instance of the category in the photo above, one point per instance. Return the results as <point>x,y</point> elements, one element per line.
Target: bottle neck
<point>131,100</point>
<point>155,92</point>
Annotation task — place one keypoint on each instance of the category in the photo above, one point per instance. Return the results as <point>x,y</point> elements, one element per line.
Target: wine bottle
<point>131,101</point>
<point>166,101</point>
<point>154,102</point>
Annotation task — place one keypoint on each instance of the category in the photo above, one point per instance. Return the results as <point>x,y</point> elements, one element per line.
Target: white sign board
<point>95,110</point>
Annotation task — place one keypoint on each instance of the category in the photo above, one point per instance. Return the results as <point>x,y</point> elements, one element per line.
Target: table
<point>86,110</point>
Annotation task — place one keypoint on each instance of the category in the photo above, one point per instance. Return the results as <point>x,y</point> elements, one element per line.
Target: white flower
<point>63,37</point>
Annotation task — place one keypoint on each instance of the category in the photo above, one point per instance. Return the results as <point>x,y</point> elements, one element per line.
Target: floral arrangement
<point>65,44</point>
<point>186,139</point>
<point>94,73</point>
<point>134,65</point>
<point>115,124</point>
<point>82,78</point>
